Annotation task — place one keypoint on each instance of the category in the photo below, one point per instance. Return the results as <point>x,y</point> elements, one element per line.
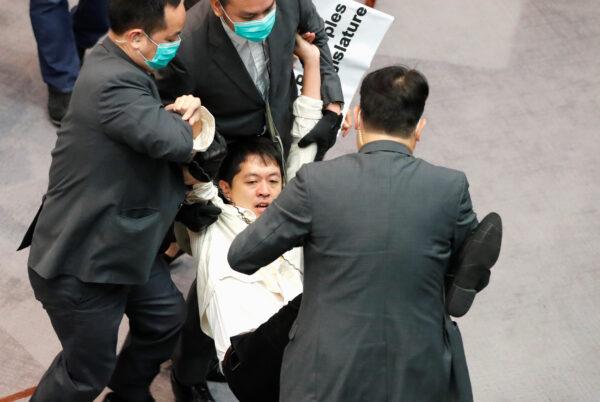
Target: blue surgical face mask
<point>255,31</point>
<point>164,53</point>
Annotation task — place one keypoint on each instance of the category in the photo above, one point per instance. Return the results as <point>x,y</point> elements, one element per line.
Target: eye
<point>251,182</point>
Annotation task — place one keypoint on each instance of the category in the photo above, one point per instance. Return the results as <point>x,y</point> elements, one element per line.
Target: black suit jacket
<point>378,228</point>
<point>207,65</point>
<point>113,188</point>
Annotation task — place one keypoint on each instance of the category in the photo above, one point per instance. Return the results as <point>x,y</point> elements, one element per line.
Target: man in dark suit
<point>237,73</point>
<point>236,55</point>
<point>114,189</point>
<point>378,229</point>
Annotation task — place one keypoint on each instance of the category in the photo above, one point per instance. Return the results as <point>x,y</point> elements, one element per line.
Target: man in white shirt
<point>250,178</point>
<point>247,83</point>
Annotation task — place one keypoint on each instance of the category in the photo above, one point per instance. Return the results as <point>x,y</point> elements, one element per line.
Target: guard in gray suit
<point>115,186</point>
<point>378,229</point>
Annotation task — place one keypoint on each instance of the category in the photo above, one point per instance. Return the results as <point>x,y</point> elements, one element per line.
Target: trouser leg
<point>57,53</point>
<point>156,312</point>
<point>90,22</point>
<point>195,352</point>
<point>86,319</point>
<point>253,364</point>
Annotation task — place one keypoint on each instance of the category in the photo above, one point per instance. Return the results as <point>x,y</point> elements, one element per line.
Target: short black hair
<point>392,100</point>
<point>239,151</point>
<point>146,14</point>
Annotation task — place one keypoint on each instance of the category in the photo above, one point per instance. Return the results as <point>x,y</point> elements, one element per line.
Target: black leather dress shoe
<point>469,272</point>
<point>112,397</point>
<point>194,393</point>
<point>58,103</point>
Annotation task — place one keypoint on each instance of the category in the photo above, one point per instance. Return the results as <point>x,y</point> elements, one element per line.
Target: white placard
<point>355,32</point>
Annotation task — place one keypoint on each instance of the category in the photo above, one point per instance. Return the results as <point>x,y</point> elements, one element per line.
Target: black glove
<point>197,216</point>
<point>205,165</point>
<point>324,133</point>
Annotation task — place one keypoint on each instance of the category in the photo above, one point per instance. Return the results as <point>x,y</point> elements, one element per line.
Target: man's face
<point>255,186</point>
<point>242,10</point>
<point>174,22</point>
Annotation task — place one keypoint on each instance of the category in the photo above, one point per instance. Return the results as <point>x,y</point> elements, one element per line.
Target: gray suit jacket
<point>208,66</point>
<point>378,229</point>
<point>113,189</point>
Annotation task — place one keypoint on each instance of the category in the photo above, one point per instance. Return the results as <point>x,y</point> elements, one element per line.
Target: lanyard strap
<point>275,137</point>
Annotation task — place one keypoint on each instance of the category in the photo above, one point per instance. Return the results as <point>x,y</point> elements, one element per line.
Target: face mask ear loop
<point>225,13</point>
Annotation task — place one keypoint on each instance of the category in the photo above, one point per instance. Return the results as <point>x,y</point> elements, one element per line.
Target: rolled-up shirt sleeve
<point>206,137</point>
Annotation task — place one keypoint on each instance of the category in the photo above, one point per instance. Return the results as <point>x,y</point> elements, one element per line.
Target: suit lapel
<point>228,59</point>
<point>276,53</point>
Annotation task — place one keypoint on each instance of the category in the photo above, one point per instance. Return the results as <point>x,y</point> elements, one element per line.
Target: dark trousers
<point>59,32</point>
<point>86,318</point>
<point>195,353</point>
<point>252,364</point>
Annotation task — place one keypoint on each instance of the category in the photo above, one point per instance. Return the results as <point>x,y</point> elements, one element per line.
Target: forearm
<point>311,83</point>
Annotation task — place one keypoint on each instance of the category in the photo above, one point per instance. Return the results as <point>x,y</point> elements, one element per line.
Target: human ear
<point>216,7</point>
<point>358,123</point>
<point>134,38</point>
<point>419,130</point>
<point>225,189</point>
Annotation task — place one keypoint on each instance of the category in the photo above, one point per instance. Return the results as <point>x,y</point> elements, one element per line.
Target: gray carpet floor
<point>515,100</point>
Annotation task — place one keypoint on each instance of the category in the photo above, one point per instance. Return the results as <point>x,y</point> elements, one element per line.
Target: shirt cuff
<point>207,135</point>
<point>308,108</point>
<point>201,192</point>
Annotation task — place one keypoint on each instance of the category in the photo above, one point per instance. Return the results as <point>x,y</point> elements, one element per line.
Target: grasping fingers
<point>309,37</point>
<point>186,106</point>
<point>190,106</point>
<point>346,124</point>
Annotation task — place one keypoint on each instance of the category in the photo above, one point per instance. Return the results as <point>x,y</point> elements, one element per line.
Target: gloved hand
<point>205,165</point>
<point>324,133</point>
<point>197,216</point>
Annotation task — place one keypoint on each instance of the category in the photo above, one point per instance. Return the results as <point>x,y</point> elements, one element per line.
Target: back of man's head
<point>392,100</point>
<point>146,14</point>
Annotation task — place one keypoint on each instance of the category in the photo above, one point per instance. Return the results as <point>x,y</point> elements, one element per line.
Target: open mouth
<point>261,206</point>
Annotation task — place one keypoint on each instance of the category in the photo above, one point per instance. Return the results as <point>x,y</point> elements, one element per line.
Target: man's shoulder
<point>106,68</point>
<point>443,179</point>
<point>197,20</point>
<point>349,165</point>
<point>329,169</point>
<point>441,171</point>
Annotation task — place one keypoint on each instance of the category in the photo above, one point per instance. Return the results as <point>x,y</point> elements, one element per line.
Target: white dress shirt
<point>255,57</point>
<point>229,302</point>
